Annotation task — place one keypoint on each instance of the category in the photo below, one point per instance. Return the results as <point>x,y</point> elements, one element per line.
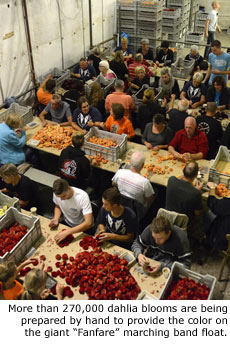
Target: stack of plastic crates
<point>127,19</point>
<point>193,12</point>
<point>149,22</point>
<point>200,22</point>
<point>171,23</point>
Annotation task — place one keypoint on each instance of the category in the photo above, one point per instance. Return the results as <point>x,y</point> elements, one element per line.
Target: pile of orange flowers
<point>54,136</point>
<point>102,142</point>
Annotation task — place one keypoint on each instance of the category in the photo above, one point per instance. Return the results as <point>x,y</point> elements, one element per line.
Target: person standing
<point>211,26</point>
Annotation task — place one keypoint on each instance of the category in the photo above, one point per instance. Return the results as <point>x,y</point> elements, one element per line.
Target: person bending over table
<point>165,55</point>
<point>85,116</point>
<point>46,90</point>
<point>119,66</point>
<point>194,91</point>
<point>116,223</point>
<point>106,75</point>
<point>164,243</point>
<point>219,93</point>
<point>84,71</point>
<point>118,123</point>
<point>190,142</point>
<point>75,206</point>
<point>177,115</point>
<point>59,111</point>
<point>125,48</point>
<point>157,134</point>
<point>141,78</point>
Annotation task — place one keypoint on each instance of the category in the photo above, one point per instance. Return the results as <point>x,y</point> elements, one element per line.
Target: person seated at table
<point>168,84</point>
<point>203,69</point>
<point>145,50</point>
<point>12,140</point>
<point>219,93</point>
<point>149,108</point>
<point>96,98</point>
<point>125,48</point>
<point>119,66</point>
<point>116,223</point>
<point>212,128</point>
<point>72,95</point>
<point>157,134</point>
<point>118,123</point>
<point>46,90</point>
<point>19,186</point>
<point>58,110</point>
<point>84,71</point>
<point>94,59</point>
<point>177,115</point>
<point>75,206</point>
<point>141,78</point>
<point>85,116</point>
<point>138,61</point>
<point>73,165</point>
<point>140,188</point>
<point>194,91</point>
<point>119,96</point>
<point>194,55</point>
<point>164,243</point>
<point>165,55</point>
<point>106,75</point>
<point>189,142</point>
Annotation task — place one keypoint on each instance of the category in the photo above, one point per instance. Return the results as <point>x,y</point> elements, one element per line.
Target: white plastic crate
<point>216,176</point>
<point>150,16</point>
<point>199,29</point>
<point>127,4</point>
<point>180,271</point>
<point>182,68</point>
<point>24,112</point>
<point>5,200</point>
<point>200,23</point>
<point>24,245</point>
<point>110,153</point>
<point>195,37</point>
<point>58,75</point>
<point>174,14</point>
<point>201,16</point>
<point>147,31</point>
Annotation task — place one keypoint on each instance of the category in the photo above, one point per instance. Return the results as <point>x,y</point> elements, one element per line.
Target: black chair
<point>135,205</point>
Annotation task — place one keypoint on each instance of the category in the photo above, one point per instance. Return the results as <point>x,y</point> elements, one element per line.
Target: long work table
<point>47,246</point>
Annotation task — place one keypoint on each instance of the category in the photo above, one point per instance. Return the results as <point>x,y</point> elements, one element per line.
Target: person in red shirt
<point>117,123</point>
<point>190,142</point>
<point>138,61</point>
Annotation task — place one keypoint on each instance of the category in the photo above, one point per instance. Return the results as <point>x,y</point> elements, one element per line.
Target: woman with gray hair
<point>194,91</point>
<point>106,74</point>
<point>194,55</point>
<point>145,50</point>
<point>168,84</point>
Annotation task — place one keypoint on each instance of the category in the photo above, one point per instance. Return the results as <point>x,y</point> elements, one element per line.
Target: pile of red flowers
<point>66,240</point>
<point>99,274</point>
<point>181,289</point>
<point>9,237</point>
<point>90,241</point>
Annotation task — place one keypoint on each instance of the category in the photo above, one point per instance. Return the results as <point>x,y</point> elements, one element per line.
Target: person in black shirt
<point>212,128</point>
<point>194,91</point>
<point>194,55</point>
<point>72,96</point>
<point>219,93</point>
<point>165,55</point>
<point>73,165</point>
<point>94,59</point>
<point>19,186</point>
<point>177,116</point>
<point>145,50</point>
<point>141,78</point>
<point>118,66</point>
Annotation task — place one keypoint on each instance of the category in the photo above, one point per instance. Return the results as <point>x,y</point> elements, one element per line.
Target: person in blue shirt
<point>12,140</point>
<point>219,62</point>
<point>84,71</point>
<point>219,93</point>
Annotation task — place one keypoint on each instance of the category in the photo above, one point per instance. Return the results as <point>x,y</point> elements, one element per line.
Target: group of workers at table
<point>184,136</point>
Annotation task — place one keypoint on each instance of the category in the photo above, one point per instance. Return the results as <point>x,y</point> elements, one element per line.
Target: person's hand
<point>45,293</point>
<point>61,236</point>
<point>142,260</point>
<point>44,123</point>
<point>190,103</point>
<point>105,236</point>
<point>198,184</point>
<point>173,96</point>
<point>49,76</point>
<point>194,106</point>
<point>53,223</point>
<point>41,265</point>
<point>187,156</point>
<point>77,75</point>
<point>90,123</point>
<point>59,290</point>
<point>156,268</point>
<point>219,30</point>
<point>102,125</point>
<point>211,185</point>
<point>177,155</point>
<point>148,145</point>
<point>206,34</point>
<point>156,148</point>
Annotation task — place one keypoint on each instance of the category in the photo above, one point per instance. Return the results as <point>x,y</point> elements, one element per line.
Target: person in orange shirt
<point>45,91</point>
<point>120,97</point>
<point>117,123</point>
<point>10,288</point>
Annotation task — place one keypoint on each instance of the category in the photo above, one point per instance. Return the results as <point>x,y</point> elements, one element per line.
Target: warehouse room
<point>115,150</point>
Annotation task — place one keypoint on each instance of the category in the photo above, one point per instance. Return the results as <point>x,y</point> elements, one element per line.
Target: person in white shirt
<point>131,184</point>
<point>210,27</point>
<point>75,205</point>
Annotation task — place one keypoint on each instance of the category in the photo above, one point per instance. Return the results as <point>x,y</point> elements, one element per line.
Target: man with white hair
<point>194,91</point>
<point>60,112</point>
<point>190,142</point>
<point>177,115</point>
<point>194,55</point>
<point>211,26</point>
<point>130,182</point>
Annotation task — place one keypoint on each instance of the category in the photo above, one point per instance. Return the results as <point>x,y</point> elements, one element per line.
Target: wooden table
<point>47,246</point>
